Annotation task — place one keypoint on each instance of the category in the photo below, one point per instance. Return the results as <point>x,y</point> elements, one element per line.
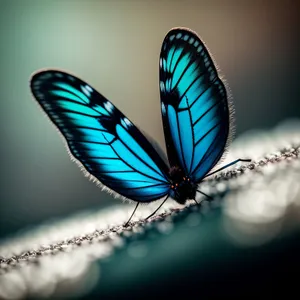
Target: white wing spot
<point>162,86</point>
<point>126,123</point>
<point>123,123</point>
<point>47,75</point>
<point>163,109</point>
<point>172,37</point>
<point>186,37</point>
<point>178,36</point>
<point>88,88</point>
<point>206,62</point>
<point>109,107</point>
<point>86,91</point>
<point>199,49</point>
<point>191,41</point>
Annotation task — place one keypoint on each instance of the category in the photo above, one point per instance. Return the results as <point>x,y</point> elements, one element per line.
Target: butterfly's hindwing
<point>100,137</point>
<point>194,104</point>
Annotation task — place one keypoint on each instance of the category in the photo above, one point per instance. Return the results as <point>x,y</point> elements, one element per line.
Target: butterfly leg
<point>126,224</point>
<point>158,208</point>
<point>228,165</point>
<point>209,197</point>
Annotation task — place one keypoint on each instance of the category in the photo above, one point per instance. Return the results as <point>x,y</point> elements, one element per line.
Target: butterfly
<point>110,148</point>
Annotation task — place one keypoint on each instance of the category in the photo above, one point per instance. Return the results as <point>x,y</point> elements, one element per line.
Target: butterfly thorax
<point>182,187</point>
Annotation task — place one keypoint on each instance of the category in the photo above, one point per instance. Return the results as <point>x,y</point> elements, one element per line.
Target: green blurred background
<point>115,46</point>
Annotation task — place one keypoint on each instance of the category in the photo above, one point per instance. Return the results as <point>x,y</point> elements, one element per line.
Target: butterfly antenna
<point>126,224</point>
<point>158,208</point>
<point>209,197</point>
<point>230,164</point>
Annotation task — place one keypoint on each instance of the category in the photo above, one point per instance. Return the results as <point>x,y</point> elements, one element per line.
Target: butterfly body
<point>195,114</point>
<point>182,187</point>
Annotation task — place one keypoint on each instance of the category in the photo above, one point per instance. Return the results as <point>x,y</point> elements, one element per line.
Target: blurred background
<point>115,46</point>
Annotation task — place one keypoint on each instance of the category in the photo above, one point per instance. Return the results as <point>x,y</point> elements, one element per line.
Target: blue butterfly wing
<point>100,137</point>
<point>194,104</point>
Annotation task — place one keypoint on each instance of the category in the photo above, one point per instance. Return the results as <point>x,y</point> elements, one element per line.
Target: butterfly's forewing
<point>194,104</point>
<point>100,137</point>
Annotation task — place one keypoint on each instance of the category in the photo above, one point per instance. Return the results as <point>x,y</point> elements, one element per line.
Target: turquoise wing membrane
<point>100,137</point>
<point>194,104</point>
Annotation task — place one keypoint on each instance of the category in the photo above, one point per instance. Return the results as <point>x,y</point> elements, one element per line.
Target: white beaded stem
<point>35,263</point>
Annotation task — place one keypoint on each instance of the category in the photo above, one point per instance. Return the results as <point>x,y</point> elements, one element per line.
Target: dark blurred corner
<point>115,45</point>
